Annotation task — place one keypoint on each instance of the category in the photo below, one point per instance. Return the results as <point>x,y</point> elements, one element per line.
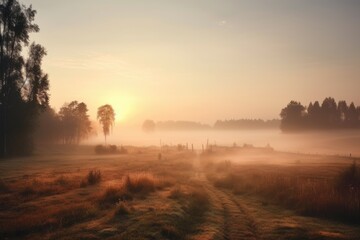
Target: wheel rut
<point>237,222</point>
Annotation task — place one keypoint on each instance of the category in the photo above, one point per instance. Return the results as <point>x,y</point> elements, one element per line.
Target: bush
<point>110,149</point>
<point>93,177</point>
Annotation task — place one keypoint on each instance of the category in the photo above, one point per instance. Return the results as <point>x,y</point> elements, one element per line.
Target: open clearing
<point>142,195</point>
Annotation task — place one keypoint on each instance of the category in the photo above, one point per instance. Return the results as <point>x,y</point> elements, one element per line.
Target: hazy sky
<point>199,60</point>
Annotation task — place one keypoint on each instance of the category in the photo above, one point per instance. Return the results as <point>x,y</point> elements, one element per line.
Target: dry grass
<point>112,195</point>
<point>122,209</point>
<point>39,187</point>
<point>93,177</point>
<point>141,183</point>
<point>48,219</point>
<point>176,193</point>
<point>198,203</point>
<point>40,198</point>
<point>3,187</point>
<point>309,195</point>
<point>194,205</point>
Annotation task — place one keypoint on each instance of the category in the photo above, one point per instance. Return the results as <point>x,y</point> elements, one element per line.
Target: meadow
<point>175,193</point>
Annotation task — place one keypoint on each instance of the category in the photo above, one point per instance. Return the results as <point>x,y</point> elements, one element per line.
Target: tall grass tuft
<point>142,183</point>
<point>93,177</point>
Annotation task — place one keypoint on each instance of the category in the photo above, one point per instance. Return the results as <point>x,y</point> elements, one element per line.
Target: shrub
<point>93,177</point>
<point>110,149</point>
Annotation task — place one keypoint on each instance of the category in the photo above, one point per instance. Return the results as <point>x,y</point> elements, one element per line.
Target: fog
<point>343,142</point>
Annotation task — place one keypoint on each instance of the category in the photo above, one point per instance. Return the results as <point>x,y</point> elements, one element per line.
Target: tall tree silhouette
<point>20,96</point>
<point>106,117</point>
<point>343,110</point>
<point>352,116</point>
<point>37,82</point>
<point>330,114</point>
<point>292,116</point>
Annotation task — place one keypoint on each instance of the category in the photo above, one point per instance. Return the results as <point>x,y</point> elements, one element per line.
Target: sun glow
<point>123,106</point>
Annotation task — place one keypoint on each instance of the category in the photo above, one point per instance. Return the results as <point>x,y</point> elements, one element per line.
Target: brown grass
<point>132,184</point>
<point>38,187</point>
<point>315,196</point>
<point>198,202</point>
<point>112,195</point>
<point>93,177</point>
<point>3,187</point>
<point>122,209</point>
<point>142,183</point>
<point>176,193</point>
<point>49,219</point>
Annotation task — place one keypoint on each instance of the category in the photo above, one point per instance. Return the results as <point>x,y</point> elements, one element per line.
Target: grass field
<point>230,193</point>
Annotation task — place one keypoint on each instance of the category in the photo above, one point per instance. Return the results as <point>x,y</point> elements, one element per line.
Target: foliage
<point>23,85</point>
<point>328,115</point>
<point>247,124</point>
<point>74,122</point>
<point>69,126</point>
<point>110,149</point>
<point>106,117</point>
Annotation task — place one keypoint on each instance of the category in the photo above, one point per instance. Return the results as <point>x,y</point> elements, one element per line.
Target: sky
<point>199,60</point>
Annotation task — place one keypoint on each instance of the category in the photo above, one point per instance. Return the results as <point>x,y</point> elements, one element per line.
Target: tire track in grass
<point>237,223</point>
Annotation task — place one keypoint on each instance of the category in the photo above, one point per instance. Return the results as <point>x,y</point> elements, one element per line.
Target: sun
<point>123,106</point>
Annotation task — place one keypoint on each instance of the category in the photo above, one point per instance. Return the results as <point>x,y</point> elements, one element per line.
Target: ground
<point>48,196</point>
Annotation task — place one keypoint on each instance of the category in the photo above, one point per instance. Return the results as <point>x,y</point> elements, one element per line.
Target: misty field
<point>223,193</point>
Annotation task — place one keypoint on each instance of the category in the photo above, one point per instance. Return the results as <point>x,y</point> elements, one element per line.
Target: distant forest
<point>150,125</point>
<point>247,124</point>
<point>328,115</point>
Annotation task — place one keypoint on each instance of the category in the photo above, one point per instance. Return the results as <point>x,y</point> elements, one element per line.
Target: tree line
<point>23,84</point>
<point>247,124</point>
<point>233,124</point>
<point>69,126</point>
<point>327,115</point>
<point>25,115</point>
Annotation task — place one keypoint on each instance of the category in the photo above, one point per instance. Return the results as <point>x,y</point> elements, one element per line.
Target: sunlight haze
<point>199,60</point>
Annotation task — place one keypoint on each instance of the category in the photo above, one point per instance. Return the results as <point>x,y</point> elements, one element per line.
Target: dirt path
<point>237,223</point>
<point>231,217</point>
<point>242,217</point>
